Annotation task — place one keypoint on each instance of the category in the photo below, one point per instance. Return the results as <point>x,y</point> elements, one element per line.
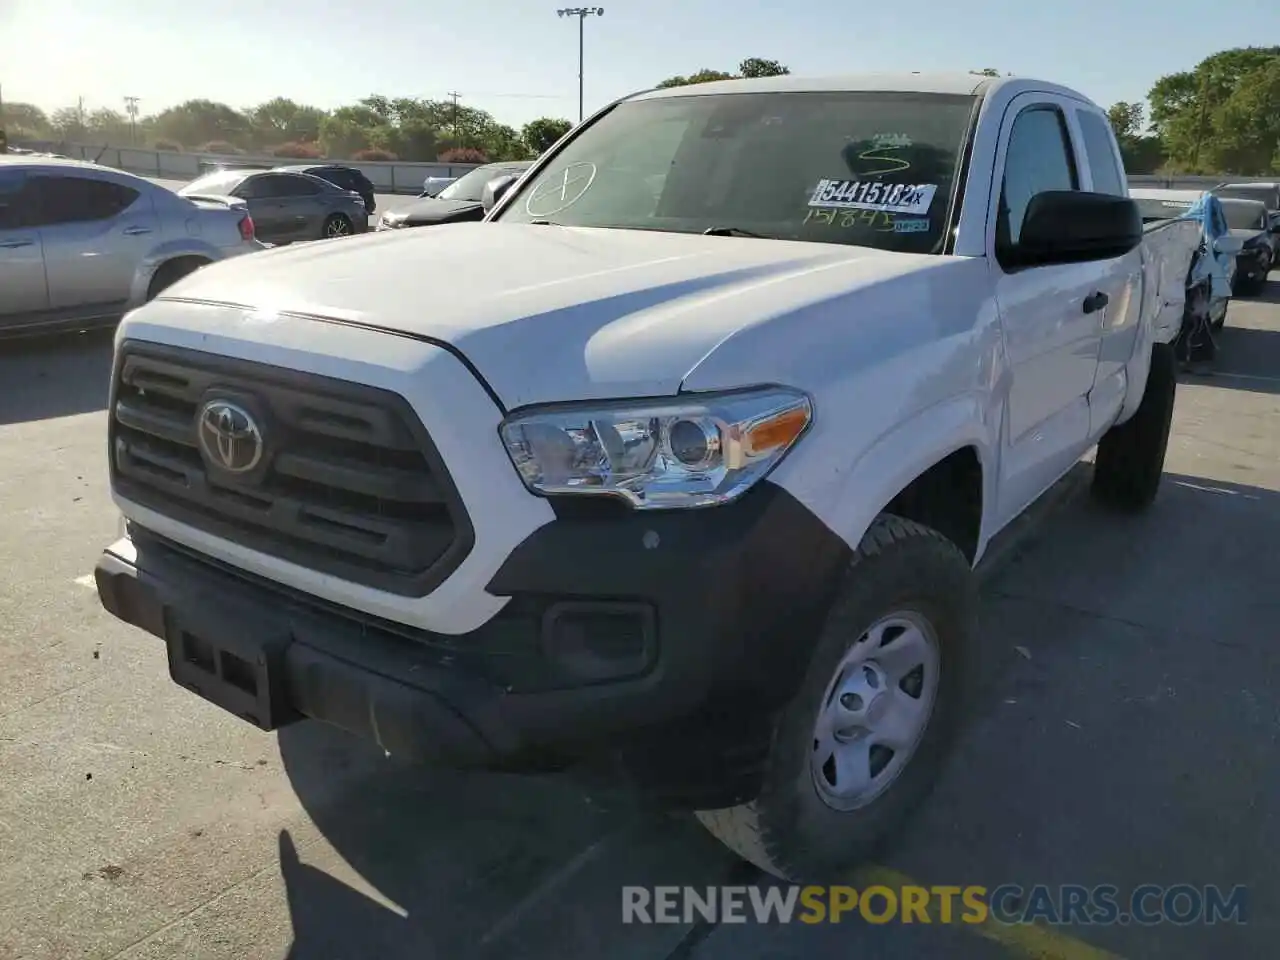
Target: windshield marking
<point>564,186</point>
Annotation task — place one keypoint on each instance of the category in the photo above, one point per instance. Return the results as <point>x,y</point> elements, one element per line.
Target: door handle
<point>14,244</point>
<point>136,231</point>
<point>1095,301</point>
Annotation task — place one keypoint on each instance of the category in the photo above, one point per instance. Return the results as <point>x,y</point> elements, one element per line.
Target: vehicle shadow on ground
<point>1094,664</point>
<point>46,377</point>
<point>470,864</point>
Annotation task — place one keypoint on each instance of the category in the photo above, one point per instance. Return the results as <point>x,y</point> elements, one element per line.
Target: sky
<point>519,60</point>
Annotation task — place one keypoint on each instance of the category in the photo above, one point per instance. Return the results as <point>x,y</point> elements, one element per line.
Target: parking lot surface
<point>1127,734</point>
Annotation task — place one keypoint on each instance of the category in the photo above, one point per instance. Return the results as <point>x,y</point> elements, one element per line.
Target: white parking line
<point>86,581</point>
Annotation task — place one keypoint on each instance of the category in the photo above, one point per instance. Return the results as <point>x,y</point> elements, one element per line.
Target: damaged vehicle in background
<point>689,491</point>
<point>461,201</point>
<point>1211,280</point>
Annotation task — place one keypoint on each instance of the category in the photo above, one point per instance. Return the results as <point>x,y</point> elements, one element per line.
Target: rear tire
<point>1130,460</point>
<point>337,225</point>
<point>170,273</point>
<point>800,827</point>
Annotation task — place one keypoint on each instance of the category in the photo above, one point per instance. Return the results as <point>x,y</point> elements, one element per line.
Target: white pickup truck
<point>675,468</point>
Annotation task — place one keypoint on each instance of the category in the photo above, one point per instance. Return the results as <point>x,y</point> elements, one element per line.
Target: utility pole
<point>581,13</point>
<point>454,97</point>
<point>131,108</point>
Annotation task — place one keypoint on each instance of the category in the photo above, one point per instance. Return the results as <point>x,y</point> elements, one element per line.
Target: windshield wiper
<point>732,232</point>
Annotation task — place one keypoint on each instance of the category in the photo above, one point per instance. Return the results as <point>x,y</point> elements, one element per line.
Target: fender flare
<point>905,452</point>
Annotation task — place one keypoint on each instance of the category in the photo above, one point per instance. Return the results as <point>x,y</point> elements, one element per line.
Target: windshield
<point>218,183</point>
<point>1245,214</point>
<point>1162,209</point>
<point>871,169</point>
<point>470,186</point>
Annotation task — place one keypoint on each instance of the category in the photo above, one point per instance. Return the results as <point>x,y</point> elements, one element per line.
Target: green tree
<point>281,120</point>
<point>759,67</point>
<point>1190,113</point>
<point>68,123</point>
<point>23,120</point>
<point>107,126</point>
<point>540,134</point>
<point>199,121</point>
<point>1247,125</point>
<point>705,75</point>
<point>1141,153</point>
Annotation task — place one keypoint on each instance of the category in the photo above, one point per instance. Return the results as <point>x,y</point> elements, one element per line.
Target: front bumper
<point>1252,266</point>
<point>658,648</point>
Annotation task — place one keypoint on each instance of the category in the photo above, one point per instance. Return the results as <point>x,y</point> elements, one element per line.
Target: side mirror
<point>495,190</point>
<point>1072,226</point>
<point>1228,246</point>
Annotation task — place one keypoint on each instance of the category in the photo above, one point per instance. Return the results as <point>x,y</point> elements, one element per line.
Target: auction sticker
<point>910,198</point>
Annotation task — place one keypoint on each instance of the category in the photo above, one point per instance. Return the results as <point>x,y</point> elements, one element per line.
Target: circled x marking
<point>561,190</point>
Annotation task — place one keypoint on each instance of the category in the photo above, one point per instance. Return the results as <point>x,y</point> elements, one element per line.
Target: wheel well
<point>184,264</point>
<point>948,498</point>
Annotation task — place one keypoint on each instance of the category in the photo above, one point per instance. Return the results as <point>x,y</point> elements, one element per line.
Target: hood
<point>553,313</point>
<point>431,210</point>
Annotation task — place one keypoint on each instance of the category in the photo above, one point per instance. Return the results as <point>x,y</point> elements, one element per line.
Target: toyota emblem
<point>229,436</point>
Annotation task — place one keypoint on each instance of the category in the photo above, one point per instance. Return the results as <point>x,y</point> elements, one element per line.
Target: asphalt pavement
<point>1127,733</point>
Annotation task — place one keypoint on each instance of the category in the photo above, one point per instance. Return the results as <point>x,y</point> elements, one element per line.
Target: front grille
<point>350,482</point>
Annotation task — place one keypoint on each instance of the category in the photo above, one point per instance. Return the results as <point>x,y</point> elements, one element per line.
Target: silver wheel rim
<point>875,710</point>
<point>337,227</point>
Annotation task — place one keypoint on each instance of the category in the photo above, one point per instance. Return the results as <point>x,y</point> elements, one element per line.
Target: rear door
<point>1120,280</point>
<point>266,206</point>
<point>23,290</point>
<point>304,206</point>
<point>96,233</point>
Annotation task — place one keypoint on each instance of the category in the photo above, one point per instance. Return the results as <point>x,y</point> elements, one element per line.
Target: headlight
<point>689,451</point>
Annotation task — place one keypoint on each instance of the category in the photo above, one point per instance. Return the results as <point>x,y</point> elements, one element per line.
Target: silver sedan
<point>81,245</point>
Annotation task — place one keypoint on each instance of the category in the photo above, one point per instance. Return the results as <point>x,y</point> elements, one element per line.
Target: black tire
<point>170,273</point>
<point>789,830</point>
<point>1130,460</point>
<point>336,225</point>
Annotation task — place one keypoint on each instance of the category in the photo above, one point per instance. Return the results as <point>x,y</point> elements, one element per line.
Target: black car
<point>1266,193</point>
<point>348,178</point>
<point>460,201</point>
<point>1250,222</point>
<point>287,206</point>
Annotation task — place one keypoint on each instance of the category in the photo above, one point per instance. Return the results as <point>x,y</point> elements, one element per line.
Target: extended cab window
<point>11,184</point>
<point>1098,147</point>
<point>1039,159</point>
<point>867,168</point>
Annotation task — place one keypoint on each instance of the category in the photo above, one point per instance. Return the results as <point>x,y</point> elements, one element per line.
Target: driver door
<point>1048,314</point>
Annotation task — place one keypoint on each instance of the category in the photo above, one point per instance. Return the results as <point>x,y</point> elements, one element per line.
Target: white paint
<point>86,581</point>
<point>907,357</point>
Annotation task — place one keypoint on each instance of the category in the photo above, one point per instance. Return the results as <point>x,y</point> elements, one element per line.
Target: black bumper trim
<point>725,605</point>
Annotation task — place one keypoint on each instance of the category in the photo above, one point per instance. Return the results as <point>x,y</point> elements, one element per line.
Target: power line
<point>454,97</point>
<point>131,108</point>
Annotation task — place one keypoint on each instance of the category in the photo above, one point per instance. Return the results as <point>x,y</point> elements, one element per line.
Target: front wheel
<point>863,740</point>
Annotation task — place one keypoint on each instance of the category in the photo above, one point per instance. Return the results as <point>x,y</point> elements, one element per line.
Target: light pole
<point>131,108</point>
<point>581,13</point>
